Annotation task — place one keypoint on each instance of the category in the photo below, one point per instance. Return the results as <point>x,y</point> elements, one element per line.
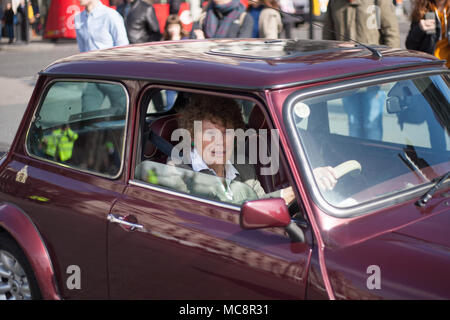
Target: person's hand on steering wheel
<point>326,177</point>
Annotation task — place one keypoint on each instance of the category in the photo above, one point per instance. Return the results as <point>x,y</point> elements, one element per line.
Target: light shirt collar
<point>198,165</point>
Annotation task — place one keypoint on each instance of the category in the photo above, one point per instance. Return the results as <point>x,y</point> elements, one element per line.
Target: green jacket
<point>358,21</point>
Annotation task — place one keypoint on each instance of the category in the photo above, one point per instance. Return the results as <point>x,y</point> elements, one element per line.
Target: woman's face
<point>213,143</point>
<point>174,31</point>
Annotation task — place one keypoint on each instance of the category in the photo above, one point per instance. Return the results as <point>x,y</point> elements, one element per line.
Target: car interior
<point>382,160</point>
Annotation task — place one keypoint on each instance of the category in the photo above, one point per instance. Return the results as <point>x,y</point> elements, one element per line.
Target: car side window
<point>81,124</point>
<point>194,183</point>
<point>170,154</point>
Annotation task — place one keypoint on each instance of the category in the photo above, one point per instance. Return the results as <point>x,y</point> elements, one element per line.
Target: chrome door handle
<point>120,220</point>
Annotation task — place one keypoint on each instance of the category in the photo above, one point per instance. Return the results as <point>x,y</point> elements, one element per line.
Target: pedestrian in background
<point>223,19</point>
<point>174,29</point>
<point>99,27</point>
<point>266,19</point>
<point>371,22</point>
<point>429,31</point>
<point>22,21</point>
<point>36,25</point>
<point>359,20</point>
<point>8,21</point>
<point>31,17</point>
<point>140,21</point>
<point>287,17</point>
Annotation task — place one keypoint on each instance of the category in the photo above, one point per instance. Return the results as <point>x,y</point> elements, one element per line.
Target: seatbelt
<point>160,143</point>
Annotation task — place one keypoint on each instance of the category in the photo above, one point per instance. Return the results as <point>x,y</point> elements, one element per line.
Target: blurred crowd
<point>17,22</point>
<point>135,21</point>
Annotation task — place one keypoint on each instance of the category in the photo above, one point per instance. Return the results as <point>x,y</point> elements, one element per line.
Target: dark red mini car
<point>89,208</point>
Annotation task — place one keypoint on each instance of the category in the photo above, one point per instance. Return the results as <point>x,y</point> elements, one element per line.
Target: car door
<point>66,175</point>
<point>166,244</point>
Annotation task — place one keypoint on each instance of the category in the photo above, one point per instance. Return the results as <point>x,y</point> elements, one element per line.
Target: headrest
<point>257,120</point>
<point>162,127</point>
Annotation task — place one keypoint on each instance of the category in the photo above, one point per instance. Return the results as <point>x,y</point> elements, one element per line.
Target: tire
<point>17,280</point>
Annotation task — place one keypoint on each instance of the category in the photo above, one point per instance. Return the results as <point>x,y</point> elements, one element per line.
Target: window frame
<point>41,100</point>
<point>302,94</point>
<point>136,149</point>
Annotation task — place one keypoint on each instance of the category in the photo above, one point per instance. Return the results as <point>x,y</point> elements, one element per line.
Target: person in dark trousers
<point>223,19</point>
<point>22,18</point>
<point>429,31</point>
<point>140,21</point>
<point>359,20</point>
<point>8,20</point>
<point>287,17</point>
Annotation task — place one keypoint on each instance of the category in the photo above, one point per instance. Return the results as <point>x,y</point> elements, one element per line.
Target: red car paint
<point>187,249</point>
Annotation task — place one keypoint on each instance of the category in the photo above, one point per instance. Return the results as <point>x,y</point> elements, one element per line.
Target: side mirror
<point>393,105</point>
<point>264,213</point>
<point>270,213</point>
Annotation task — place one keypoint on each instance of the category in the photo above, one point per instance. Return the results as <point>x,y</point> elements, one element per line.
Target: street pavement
<point>20,65</point>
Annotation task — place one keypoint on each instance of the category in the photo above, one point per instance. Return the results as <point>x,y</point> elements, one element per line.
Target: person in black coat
<point>8,20</point>
<point>223,19</point>
<point>22,18</point>
<point>429,31</point>
<point>174,6</point>
<point>140,21</point>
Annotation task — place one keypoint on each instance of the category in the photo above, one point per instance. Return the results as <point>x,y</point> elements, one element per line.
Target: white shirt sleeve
<point>118,31</point>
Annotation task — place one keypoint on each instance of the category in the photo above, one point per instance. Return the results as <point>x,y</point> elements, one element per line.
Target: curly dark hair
<point>423,6</point>
<point>219,110</point>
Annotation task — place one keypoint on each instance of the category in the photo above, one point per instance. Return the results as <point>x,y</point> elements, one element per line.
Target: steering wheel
<point>347,167</point>
<point>343,190</point>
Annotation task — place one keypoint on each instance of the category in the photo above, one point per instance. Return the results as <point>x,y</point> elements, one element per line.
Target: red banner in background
<point>61,18</point>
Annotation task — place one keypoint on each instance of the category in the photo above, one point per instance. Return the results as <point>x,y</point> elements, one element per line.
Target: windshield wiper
<point>427,196</point>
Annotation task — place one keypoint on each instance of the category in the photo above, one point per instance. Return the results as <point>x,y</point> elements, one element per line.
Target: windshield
<point>371,142</point>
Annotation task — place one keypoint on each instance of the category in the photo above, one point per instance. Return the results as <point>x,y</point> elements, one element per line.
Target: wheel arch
<point>19,226</point>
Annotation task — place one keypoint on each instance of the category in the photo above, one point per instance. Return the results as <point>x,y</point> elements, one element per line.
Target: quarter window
<point>81,125</point>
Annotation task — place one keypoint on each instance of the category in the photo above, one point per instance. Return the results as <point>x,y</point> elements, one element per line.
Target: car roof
<point>238,63</point>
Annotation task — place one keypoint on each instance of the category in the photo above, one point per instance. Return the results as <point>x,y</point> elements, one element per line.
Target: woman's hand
<point>326,177</point>
<point>427,25</point>
<point>288,195</point>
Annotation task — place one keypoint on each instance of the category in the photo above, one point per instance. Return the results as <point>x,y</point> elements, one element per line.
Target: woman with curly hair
<point>429,30</point>
<point>205,118</point>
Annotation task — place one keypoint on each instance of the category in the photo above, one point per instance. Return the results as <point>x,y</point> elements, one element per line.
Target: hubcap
<point>13,280</point>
